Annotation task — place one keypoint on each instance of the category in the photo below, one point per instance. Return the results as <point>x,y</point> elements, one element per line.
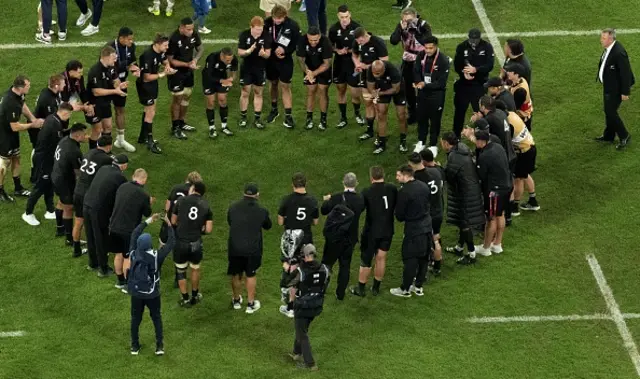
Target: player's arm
<point>199,52</point>
<point>355,56</point>
<point>490,59</point>
<point>383,53</point>
<point>282,211</point>
<point>315,214</point>
<point>395,88</point>
<point>371,88</point>
<point>176,63</point>
<point>267,224</point>
<point>326,63</point>
<point>174,216</point>
<point>401,206</point>
<point>18,126</point>
<point>208,225</point>
<point>27,113</point>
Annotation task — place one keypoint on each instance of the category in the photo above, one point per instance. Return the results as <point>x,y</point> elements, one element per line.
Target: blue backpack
<point>143,274</point>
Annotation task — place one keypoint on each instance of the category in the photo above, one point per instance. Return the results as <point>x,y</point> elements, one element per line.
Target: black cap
<point>251,189</point>
<point>121,159</point>
<point>77,127</point>
<point>515,67</point>
<point>482,135</point>
<point>474,33</point>
<point>493,82</point>
<point>481,124</point>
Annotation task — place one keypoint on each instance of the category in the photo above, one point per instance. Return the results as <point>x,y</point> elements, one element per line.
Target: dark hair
<point>519,97</point>
<point>160,38</point>
<point>226,51</point>
<point>482,135</point>
<point>299,180</point>
<point>414,158</point>
<point>376,172</point>
<point>20,81</point>
<point>516,46</point>
<point>405,169</point>
<point>488,102</point>
<point>360,32</point>
<point>451,138</point>
<point>502,106</point>
<point>66,107</point>
<point>199,187</point>
<point>125,31</point>
<point>313,30</point>
<point>73,65</point>
<point>343,8</point>
<point>105,140</point>
<point>279,11</point>
<point>106,51</point>
<point>186,21</point>
<point>426,155</point>
<point>431,39</point>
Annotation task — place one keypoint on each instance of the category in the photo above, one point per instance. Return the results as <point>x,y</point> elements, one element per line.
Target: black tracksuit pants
<point>410,92</point>
<point>430,108</point>
<point>137,309</point>
<point>97,230</point>
<point>301,345</point>
<point>340,252</point>
<point>465,94</point>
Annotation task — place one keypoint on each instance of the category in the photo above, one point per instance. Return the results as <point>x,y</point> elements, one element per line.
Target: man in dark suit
<point>616,77</point>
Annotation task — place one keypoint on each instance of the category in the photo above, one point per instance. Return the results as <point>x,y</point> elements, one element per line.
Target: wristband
<point>149,220</point>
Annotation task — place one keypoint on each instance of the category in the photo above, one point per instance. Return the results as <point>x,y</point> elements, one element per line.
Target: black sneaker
<point>309,124</point>
<point>403,147</point>
<point>91,268</point>
<point>179,134</point>
<point>212,133</point>
<point>159,349</point>
<point>272,116</point>
<point>60,233</point>
<point>466,260</point>
<point>135,349</point>
<point>365,137</point>
<point>322,125</point>
<point>304,366</point>
<point>528,206</point>
<point>242,123</point>
<point>356,291</point>
<point>411,120</point>
<point>226,132</point>
<point>188,128</point>
<point>376,142</point>
<point>258,124</point>
<point>83,243</point>
<point>360,120</point>
<point>106,272</point>
<point>22,192</point>
<point>196,300</point>
<point>184,303</point>
<point>342,124</point>
<point>5,197</point>
<point>455,250</point>
<point>398,5</point>
<point>379,150</point>
<point>78,254</point>
<point>154,147</point>
<point>375,291</point>
<point>289,123</point>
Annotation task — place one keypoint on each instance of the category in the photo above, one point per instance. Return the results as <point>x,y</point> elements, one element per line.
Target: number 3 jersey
<point>299,210</point>
<point>193,213</point>
<point>91,163</point>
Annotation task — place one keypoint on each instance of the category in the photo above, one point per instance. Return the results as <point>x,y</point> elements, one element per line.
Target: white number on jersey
<point>58,152</point>
<point>434,187</point>
<point>178,196</point>
<point>88,167</point>
<point>386,202</point>
<point>301,214</point>
<point>193,213</point>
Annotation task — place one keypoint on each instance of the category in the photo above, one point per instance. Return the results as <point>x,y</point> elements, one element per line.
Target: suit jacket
<point>617,77</point>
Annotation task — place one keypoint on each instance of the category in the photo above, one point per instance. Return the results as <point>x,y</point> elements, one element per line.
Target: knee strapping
<point>184,103</point>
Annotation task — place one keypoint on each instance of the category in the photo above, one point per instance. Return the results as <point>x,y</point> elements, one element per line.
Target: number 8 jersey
<point>91,163</point>
<point>193,212</point>
<point>299,210</point>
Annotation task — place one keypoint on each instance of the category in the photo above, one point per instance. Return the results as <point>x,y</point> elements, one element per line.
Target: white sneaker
<point>90,30</point>
<point>419,147</point>
<point>286,312</point>
<point>496,249</point>
<point>122,144</point>
<point>482,251</point>
<point>30,219</point>
<point>50,216</point>
<point>434,150</point>
<point>155,10</point>
<point>417,290</point>
<point>399,292</point>
<point>237,305</point>
<point>84,18</point>
<point>204,30</point>
<point>62,36</point>
<point>43,38</point>
<point>254,308</point>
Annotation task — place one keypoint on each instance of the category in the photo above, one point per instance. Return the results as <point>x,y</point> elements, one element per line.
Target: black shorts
<point>526,163</point>
<point>399,99</point>
<point>180,80</point>
<point>78,204</point>
<point>280,69</point>
<point>64,190</point>
<point>187,253</point>
<point>323,79</point>
<point>210,87</point>
<point>91,119</point>
<point>369,247</point>
<point>10,147</point>
<point>252,76</point>
<point>244,265</point>
<point>495,203</point>
<point>102,110</point>
<point>417,246</point>
<point>147,92</point>
<point>436,225</point>
<point>120,243</point>
<point>119,101</point>
<point>343,70</point>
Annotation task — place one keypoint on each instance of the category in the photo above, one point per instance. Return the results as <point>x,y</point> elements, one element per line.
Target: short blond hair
<point>193,177</point>
<point>140,173</point>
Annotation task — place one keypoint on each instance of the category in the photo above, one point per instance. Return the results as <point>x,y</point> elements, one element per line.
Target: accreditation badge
<point>427,78</point>
<point>122,75</point>
<point>284,41</point>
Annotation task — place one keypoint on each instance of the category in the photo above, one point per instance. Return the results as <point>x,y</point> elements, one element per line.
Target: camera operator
<point>412,31</point>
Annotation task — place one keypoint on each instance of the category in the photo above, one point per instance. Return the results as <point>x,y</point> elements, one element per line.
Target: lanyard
<point>433,65</point>
<point>68,80</point>
<point>126,52</point>
<point>274,32</point>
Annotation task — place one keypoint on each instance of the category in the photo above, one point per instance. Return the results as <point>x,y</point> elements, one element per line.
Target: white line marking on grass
<point>543,33</point>
<point>15,333</point>
<point>614,309</point>
<point>488,28</point>
<point>488,320</point>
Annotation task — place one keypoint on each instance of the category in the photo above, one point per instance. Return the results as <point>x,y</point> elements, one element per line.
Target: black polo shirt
<point>390,77</point>
<point>68,157</point>
<point>91,163</point>
<point>126,56</point>
<point>178,191</point>
<point>314,56</point>
<point>100,77</point>
<point>412,208</point>
<point>193,213</point>
<point>47,103</point>
<point>285,35</point>
<point>254,60</point>
<point>246,220</point>
<point>380,203</point>
<point>150,63</point>
<point>101,196</point>
<point>436,184</point>
<point>215,69</point>
<point>181,47</point>
<point>48,139</point>
<point>370,51</point>
<point>131,205</point>
<point>343,37</point>
<point>10,112</point>
<point>299,210</point>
